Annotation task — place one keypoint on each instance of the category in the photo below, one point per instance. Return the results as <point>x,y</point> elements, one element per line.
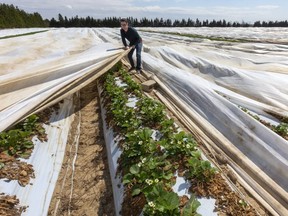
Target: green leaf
<point>134,169</point>
<point>190,208</point>
<point>126,181</point>
<point>136,192</point>
<point>25,155</point>
<point>169,200</point>
<point>127,178</point>
<point>168,176</point>
<point>2,165</point>
<point>28,144</point>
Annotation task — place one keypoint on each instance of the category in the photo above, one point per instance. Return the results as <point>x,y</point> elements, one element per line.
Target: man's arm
<point>123,38</point>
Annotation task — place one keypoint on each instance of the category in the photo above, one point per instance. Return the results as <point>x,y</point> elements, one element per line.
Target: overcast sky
<point>230,10</point>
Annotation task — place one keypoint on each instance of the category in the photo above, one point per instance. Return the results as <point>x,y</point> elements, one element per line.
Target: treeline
<point>13,17</point>
<point>144,22</point>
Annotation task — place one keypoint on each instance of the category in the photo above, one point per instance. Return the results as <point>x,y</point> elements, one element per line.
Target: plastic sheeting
<point>277,35</point>
<point>181,186</point>
<point>212,78</point>
<point>40,70</point>
<point>238,127</point>
<point>46,159</point>
<point>267,150</point>
<point>44,68</point>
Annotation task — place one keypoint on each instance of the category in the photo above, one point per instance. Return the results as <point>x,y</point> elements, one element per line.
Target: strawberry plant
<point>180,144</point>
<point>161,202</point>
<point>190,209</point>
<point>151,112</point>
<point>281,129</point>
<point>148,163</point>
<point>167,127</point>
<point>136,143</point>
<point>132,86</point>
<point>17,141</point>
<point>200,170</point>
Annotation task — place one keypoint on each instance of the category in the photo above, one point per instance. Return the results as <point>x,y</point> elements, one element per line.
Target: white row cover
<point>277,35</point>
<point>211,78</point>
<point>37,71</point>
<point>41,69</point>
<point>19,31</point>
<point>46,159</point>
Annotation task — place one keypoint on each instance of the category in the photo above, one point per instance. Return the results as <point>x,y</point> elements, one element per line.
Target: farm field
<point>228,85</point>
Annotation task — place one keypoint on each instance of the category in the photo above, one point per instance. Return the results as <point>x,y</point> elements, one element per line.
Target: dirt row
<point>87,190</point>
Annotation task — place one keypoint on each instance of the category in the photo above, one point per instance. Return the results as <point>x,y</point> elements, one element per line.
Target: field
<point>227,87</point>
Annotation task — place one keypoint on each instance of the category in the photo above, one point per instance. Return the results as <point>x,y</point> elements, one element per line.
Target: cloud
<point>268,7</point>
<point>151,0</point>
<point>69,6</point>
<point>152,9</point>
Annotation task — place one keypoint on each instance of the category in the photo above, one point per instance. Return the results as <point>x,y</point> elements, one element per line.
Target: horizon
<point>243,11</point>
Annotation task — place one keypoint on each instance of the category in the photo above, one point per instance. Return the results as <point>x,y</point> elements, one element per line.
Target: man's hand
<point>126,47</point>
<point>133,47</point>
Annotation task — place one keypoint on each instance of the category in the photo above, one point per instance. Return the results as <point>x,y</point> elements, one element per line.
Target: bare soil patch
<point>9,206</point>
<point>84,184</point>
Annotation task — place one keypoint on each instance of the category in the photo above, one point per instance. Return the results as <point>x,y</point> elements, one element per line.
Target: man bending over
<point>135,42</point>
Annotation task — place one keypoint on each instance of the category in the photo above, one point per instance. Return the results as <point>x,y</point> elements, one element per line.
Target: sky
<point>230,10</point>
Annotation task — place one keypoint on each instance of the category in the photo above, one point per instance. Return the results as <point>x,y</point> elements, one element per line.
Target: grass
<point>25,34</point>
<point>203,37</point>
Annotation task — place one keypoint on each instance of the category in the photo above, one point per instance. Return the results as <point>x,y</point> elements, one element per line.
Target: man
<point>135,42</point>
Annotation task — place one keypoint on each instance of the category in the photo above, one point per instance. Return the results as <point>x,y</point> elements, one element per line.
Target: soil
<point>9,206</point>
<point>227,200</point>
<point>87,190</point>
<point>17,170</point>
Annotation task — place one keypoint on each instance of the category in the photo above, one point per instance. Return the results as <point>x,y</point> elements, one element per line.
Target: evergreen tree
<point>13,17</point>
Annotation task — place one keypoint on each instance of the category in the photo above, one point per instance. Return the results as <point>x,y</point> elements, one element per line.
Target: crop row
<point>153,150</point>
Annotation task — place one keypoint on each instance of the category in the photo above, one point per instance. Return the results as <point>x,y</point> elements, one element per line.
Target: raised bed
<point>157,168</point>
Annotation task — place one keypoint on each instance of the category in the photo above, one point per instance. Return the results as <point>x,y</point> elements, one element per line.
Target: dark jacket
<point>131,35</point>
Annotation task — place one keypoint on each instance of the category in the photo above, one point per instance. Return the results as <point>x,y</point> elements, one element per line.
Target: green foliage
<point>29,124</point>
<point>17,141</point>
<point>180,144</point>
<point>281,129</point>
<point>118,66</point>
<point>18,35</point>
<point>124,116</point>
<point>161,202</point>
<point>200,170</point>
<point>191,207</point>
<point>148,164</point>
<point>144,22</point>
<point>151,112</point>
<point>138,143</point>
<point>167,127</point>
<point>13,17</point>
<point>132,86</point>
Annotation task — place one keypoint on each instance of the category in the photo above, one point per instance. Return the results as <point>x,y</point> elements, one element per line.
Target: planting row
<point>154,150</point>
<point>281,129</point>
<point>17,143</point>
